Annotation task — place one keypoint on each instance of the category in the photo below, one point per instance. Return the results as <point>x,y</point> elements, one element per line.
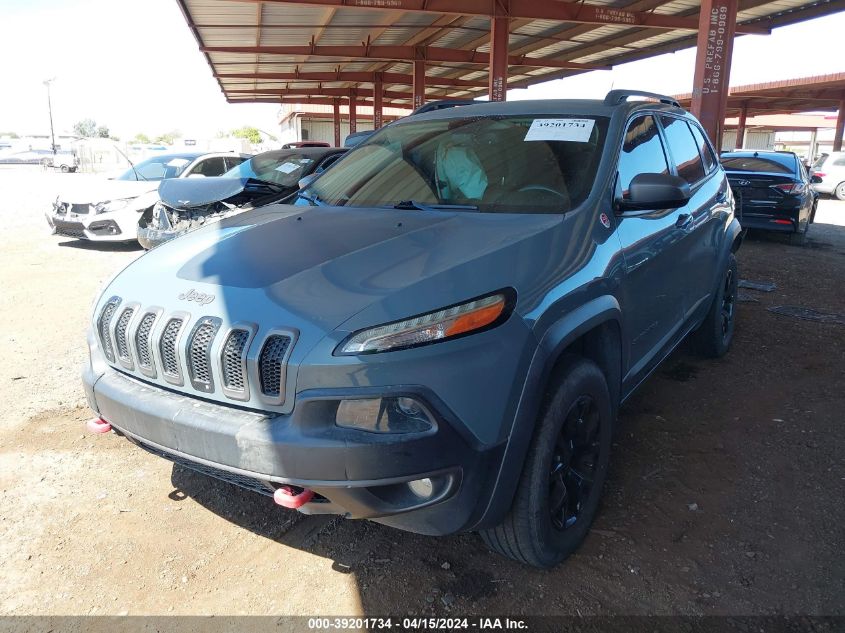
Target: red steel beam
<point>378,97</point>
<point>840,126</point>
<point>498,76</point>
<point>353,119</point>
<point>336,121</point>
<point>576,12</point>
<point>357,77</point>
<point>319,91</point>
<point>713,65</point>
<point>419,83</point>
<point>401,53</point>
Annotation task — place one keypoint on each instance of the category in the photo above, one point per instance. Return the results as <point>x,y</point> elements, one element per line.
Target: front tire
<point>713,338</point>
<point>561,482</point>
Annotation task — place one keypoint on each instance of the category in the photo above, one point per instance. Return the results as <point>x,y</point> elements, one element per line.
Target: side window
<point>703,148</point>
<point>642,152</point>
<point>684,149</point>
<point>233,161</point>
<point>211,167</point>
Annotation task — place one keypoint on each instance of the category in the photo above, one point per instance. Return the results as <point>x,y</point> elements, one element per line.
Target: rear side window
<point>703,148</point>
<point>683,148</point>
<point>642,152</point>
<point>211,167</point>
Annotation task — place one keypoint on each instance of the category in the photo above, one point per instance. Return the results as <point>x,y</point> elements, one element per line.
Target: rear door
<point>695,162</point>
<point>653,289</point>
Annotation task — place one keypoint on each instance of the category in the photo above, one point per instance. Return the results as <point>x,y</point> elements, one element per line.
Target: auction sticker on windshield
<point>577,130</point>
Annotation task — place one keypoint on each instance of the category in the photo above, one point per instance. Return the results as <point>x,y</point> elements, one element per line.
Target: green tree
<point>140,137</point>
<point>85,128</point>
<point>168,137</point>
<point>103,131</point>
<point>249,133</point>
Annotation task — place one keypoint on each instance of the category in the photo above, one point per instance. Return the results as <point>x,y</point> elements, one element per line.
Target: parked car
<point>438,332</point>
<point>772,191</point>
<point>298,144</point>
<point>356,138</point>
<point>30,157</point>
<point>269,177</point>
<point>828,174</point>
<point>109,211</point>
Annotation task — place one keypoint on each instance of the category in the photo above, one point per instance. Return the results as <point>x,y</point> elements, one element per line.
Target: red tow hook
<point>98,425</point>
<point>288,497</point>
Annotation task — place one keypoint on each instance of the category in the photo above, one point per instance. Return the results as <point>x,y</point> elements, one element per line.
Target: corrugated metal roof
<point>253,23</point>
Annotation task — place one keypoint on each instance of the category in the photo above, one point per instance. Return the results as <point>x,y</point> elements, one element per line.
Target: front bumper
<point>352,473</point>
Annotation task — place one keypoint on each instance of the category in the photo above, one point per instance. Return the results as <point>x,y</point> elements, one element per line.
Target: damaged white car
<point>263,179</point>
<point>109,210</point>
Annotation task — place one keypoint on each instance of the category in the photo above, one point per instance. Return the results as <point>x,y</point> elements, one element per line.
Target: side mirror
<point>815,180</point>
<point>655,191</point>
<point>307,180</point>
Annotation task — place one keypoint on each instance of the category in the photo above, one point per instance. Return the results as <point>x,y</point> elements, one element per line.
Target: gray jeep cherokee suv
<point>435,334</point>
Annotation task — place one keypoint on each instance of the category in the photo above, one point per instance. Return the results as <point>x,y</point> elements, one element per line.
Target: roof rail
<point>615,97</point>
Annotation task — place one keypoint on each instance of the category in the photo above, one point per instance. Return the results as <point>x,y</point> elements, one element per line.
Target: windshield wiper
<point>413,204</point>
<point>314,200</point>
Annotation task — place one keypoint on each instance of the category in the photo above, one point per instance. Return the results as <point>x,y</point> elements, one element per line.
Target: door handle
<point>684,221</point>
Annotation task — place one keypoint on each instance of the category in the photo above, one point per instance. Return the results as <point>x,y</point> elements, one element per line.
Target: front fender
<point>553,342</point>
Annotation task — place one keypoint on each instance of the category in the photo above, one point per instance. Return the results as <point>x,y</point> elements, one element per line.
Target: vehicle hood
<point>97,190</point>
<point>314,268</point>
<point>185,193</point>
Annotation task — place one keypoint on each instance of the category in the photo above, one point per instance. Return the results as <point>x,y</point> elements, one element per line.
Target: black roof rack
<point>615,97</point>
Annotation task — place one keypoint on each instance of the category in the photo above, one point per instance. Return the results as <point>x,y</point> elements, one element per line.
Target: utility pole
<point>47,83</point>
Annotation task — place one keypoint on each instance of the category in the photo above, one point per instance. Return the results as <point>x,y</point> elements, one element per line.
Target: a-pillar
<point>716,27</point>
<point>353,123</point>
<point>336,120</point>
<point>840,126</point>
<point>739,143</point>
<point>498,76</point>
<point>419,83</point>
<point>378,89</point>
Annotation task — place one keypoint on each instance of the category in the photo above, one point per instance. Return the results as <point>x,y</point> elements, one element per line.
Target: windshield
<point>156,168</point>
<point>520,164</point>
<point>778,164</point>
<point>284,170</point>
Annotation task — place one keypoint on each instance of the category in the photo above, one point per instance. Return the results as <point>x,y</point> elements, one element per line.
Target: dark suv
<point>436,334</point>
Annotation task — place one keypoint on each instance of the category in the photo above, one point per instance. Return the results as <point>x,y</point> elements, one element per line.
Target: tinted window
<point>757,163</point>
<point>157,168</point>
<point>703,148</point>
<point>233,161</point>
<point>642,152</point>
<point>280,168</point>
<point>684,149</point>
<point>211,167</point>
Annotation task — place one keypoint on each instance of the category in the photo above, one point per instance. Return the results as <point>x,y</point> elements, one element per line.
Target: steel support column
<point>353,123</point>
<point>716,29</point>
<point>498,76</point>
<point>739,143</point>
<point>336,120</point>
<point>378,91</point>
<point>419,83</point>
<point>840,126</point>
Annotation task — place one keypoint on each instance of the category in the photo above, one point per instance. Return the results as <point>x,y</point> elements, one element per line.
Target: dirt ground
<point>725,494</point>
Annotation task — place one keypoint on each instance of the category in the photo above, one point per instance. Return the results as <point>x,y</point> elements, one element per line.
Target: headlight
<point>112,205</point>
<point>384,415</point>
<point>432,327</point>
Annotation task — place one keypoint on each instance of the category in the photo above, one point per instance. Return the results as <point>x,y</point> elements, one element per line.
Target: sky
<point>135,67</point>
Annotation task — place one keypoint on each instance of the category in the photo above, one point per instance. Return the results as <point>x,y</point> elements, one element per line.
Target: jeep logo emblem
<point>200,297</point>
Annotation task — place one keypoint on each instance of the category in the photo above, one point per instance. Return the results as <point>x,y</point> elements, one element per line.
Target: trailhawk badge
<point>200,297</point>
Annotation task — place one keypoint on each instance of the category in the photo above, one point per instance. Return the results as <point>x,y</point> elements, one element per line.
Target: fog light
<point>384,415</point>
<point>421,487</point>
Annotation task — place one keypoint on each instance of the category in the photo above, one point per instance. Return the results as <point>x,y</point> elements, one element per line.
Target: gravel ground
<point>725,493</point>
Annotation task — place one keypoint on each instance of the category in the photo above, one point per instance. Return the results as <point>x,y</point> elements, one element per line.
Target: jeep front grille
<point>120,338</point>
<point>199,353</point>
<point>233,361</point>
<point>142,342</point>
<point>103,324</point>
<point>169,351</point>
<point>271,365</point>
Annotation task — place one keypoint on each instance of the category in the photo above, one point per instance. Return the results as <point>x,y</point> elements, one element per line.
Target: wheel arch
<point>594,331</point>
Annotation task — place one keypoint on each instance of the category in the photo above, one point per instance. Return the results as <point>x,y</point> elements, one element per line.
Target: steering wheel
<point>545,189</point>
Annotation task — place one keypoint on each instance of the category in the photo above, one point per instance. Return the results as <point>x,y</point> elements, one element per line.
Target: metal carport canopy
<point>269,50</point>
